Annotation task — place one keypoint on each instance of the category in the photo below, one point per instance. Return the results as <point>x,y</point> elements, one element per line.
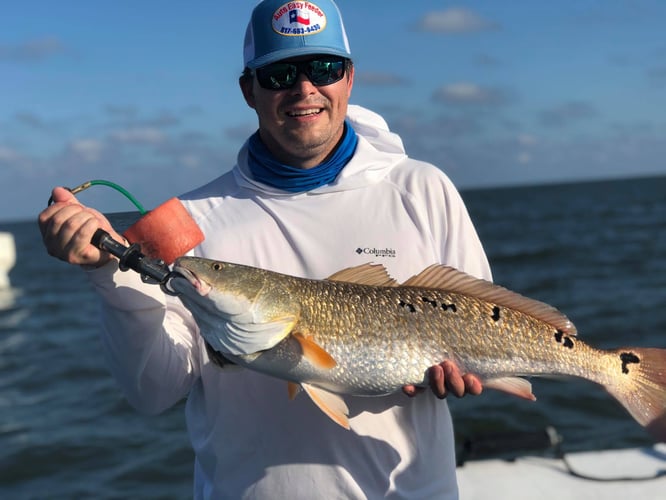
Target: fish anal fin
<point>511,385</point>
<point>293,389</point>
<point>365,274</point>
<point>314,353</point>
<point>452,280</point>
<point>331,404</point>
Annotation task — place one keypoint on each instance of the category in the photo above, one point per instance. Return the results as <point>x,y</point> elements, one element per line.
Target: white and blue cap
<point>280,30</point>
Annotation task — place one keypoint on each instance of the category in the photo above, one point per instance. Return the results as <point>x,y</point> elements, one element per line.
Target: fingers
<point>63,195</point>
<point>473,385</point>
<point>412,390</point>
<point>67,228</point>
<point>445,379</point>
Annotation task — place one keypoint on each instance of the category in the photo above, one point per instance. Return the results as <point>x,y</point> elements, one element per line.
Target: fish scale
<point>403,335</point>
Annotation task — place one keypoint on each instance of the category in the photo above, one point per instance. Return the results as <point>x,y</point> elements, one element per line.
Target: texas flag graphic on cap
<point>299,16</point>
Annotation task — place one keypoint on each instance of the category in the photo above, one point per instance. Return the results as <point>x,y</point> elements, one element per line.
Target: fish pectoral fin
<point>365,274</point>
<point>331,404</point>
<point>315,353</point>
<point>512,385</point>
<point>293,389</point>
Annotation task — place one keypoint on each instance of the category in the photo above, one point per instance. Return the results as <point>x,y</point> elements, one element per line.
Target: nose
<point>303,85</point>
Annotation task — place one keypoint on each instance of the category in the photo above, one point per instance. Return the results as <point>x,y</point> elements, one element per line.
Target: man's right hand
<point>67,227</point>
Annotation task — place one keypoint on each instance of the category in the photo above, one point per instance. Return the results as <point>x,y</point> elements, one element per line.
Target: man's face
<point>300,125</point>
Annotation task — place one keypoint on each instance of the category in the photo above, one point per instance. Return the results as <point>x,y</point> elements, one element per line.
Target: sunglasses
<point>283,75</point>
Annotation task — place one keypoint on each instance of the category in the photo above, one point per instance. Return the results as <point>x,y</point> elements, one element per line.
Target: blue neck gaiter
<point>267,170</point>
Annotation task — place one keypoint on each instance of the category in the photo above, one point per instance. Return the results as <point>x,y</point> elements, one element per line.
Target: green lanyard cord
<point>99,182</point>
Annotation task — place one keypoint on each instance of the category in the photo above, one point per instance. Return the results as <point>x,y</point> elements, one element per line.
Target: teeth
<point>305,112</point>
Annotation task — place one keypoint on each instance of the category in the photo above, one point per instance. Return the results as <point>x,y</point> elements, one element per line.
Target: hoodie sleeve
<point>149,339</point>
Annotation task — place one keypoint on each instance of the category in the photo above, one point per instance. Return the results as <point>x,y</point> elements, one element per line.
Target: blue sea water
<point>596,250</point>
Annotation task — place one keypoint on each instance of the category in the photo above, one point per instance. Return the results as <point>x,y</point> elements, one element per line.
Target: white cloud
<point>32,50</point>
<point>190,160</point>
<point>526,139</point>
<point>88,150</point>
<point>469,93</point>
<point>139,135</point>
<point>567,113</point>
<point>524,158</point>
<point>454,20</point>
<point>379,79</point>
<point>9,155</point>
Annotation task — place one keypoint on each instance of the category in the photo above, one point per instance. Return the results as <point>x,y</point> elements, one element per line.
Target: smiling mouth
<point>304,112</point>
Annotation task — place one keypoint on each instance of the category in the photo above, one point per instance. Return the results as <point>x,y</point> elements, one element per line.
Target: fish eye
<point>217,266</point>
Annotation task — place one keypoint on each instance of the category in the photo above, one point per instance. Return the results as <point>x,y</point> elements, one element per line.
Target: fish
<point>361,333</point>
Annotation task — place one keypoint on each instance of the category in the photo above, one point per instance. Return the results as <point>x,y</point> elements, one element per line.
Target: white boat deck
<point>621,475</point>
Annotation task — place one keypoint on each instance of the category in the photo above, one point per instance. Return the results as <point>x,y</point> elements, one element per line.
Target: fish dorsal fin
<point>365,274</point>
<point>331,404</point>
<point>314,353</point>
<point>455,281</point>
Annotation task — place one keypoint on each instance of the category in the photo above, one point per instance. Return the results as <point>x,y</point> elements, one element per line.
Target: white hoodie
<point>250,440</point>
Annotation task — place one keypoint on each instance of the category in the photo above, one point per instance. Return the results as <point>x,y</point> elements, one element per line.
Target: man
<point>321,186</point>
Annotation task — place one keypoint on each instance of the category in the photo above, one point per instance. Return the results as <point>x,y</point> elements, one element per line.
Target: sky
<point>145,93</point>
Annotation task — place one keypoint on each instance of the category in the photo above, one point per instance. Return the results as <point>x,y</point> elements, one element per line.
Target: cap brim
<point>280,55</point>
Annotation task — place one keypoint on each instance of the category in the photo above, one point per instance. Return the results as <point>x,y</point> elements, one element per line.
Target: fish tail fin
<point>641,386</point>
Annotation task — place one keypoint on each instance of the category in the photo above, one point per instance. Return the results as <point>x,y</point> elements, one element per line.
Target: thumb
<point>63,195</point>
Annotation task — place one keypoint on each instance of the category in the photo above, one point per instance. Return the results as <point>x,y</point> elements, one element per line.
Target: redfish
<point>361,333</point>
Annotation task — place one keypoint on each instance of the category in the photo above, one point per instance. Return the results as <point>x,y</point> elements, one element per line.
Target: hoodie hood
<point>377,152</point>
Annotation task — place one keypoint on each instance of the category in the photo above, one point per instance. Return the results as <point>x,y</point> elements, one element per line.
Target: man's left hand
<point>445,378</point>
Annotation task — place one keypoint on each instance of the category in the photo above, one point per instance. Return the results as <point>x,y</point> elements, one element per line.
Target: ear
<point>350,80</point>
<point>246,85</point>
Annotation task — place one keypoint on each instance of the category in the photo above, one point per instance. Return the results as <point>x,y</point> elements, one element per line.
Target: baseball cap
<point>278,30</point>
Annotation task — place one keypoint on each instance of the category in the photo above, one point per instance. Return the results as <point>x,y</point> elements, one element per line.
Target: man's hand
<point>67,227</point>
<point>445,378</point>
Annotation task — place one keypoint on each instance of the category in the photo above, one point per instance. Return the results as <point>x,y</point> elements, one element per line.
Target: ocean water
<point>597,251</point>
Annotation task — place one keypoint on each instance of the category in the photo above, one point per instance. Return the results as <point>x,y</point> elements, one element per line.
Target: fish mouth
<point>180,274</point>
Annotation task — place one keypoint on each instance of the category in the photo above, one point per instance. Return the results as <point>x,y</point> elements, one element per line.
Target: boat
<point>7,257</point>
<point>620,474</point>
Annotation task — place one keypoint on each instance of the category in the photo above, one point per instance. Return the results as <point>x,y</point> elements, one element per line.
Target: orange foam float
<point>166,232</point>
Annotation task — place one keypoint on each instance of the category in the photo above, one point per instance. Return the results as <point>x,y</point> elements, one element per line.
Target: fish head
<point>239,309</point>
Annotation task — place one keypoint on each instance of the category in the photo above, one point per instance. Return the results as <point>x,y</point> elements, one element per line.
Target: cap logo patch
<point>298,18</point>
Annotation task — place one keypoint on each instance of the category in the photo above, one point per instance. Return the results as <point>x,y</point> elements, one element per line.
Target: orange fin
<point>314,353</point>
<point>451,280</point>
<point>365,274</point>
<point>639,384</point>
<point>293,389</point>
<point>331,404</point>
<point>512,385</point>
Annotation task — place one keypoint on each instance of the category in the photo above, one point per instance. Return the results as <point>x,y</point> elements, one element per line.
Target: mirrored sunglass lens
<point>325,72</point>
<point>277,76</point>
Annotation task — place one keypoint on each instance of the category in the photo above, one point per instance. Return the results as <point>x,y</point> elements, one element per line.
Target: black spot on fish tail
<point>450,306</point>
<point>496,313</point>
<point>568,343</point>
<point>627,359</point>
<point>558,336</point>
